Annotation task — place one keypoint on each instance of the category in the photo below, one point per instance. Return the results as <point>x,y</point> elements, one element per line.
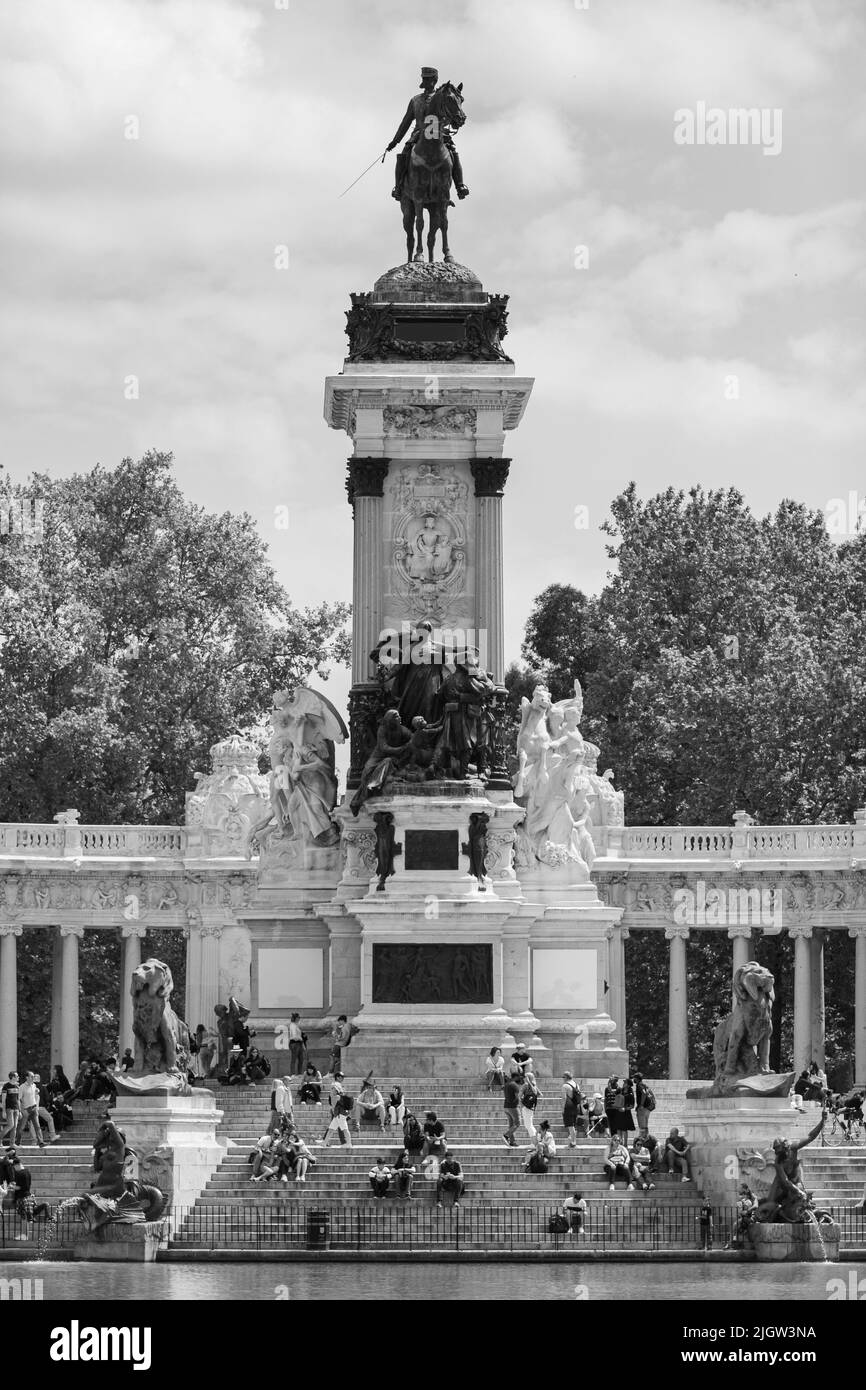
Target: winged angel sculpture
<point>303,782</point>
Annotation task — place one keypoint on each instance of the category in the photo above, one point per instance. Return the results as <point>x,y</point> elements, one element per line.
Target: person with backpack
<point>342,1112</point>
<point>530,1095</point>
<point>572,1104</point>
<point>645,1103</point>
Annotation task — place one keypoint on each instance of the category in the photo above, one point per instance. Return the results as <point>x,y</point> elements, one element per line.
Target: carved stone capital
<point>72,931</point>
<point>860,930</point>
<point>804,929</point>
<point>490,476</point>
<point>10,929</point>
<point>366,477</point>
<point>740,930</point>
<point>676,929</point>
<point>133,929</point>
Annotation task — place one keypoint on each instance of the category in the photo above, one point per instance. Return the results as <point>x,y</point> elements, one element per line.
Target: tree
<point>724,667</point>
<point>139,631</point>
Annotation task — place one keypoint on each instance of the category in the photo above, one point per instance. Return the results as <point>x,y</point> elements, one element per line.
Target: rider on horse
<point>416,111</point>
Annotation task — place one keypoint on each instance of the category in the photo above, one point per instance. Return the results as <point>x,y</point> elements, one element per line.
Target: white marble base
<point>174,1135</point>
<point>732,1141</point>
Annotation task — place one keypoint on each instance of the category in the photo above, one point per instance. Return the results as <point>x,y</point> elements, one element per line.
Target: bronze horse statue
<point>427,183</point>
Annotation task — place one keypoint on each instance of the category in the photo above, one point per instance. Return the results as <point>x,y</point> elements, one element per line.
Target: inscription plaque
<point>431,974</point>
<point>432,849</point>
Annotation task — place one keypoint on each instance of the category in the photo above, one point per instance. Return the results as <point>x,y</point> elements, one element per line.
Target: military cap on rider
<point>429,72</point>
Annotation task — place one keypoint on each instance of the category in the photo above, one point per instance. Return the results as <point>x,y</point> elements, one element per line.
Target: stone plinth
<point>137,1243</point>
<point>795,1240</point>
<point>176,1141</point>
<point>732,1141</point>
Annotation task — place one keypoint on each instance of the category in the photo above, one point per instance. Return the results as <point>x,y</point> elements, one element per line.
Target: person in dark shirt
<point>434,1136</point>
<point>17,1181</point>
<point>404,1174</point>
<point>10,1107</point>
<point>450,1179</point>
<point>510,1104</point>
<point>127,1061</point>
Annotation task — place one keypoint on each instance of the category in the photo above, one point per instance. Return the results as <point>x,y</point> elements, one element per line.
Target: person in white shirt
<point>574,1209</point>
<point>380,1179</point>
<point>538,1160</point>
<point>282,1109</point>
<point>370,1102</point>
<point>30,1110</point>
<point>618,1164</point>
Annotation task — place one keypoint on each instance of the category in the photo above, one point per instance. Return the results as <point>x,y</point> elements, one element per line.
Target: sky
<point>691,312</point>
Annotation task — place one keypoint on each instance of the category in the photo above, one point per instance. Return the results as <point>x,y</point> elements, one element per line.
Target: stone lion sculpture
<point>741,1043</point>
<point>162,1040</point>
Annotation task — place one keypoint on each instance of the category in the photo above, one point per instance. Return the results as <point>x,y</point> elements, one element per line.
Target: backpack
<point>649,1100</point>
<point>529,1098</point>
<point>347,1103</point>
<point>558,1224</point>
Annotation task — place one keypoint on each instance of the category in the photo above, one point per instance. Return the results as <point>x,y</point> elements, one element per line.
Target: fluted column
<point>69,937</point>
<point>9,934</point>
<point>818,1018</point>
<point>131,934</point>
<point>741,935</point>
<point>859,935</point>
<point>490,475</point>
<point>616,936</point>
<point>202,971</point>
<point>678,1003</point>
<point>366,488</point>
<point>56,996</point>
<point>801,936</point>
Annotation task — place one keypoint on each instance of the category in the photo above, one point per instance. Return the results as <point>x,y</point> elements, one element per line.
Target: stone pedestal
<point>796,1240</point>
<point>732,1141</point>
<point>176,1141</point>
<point>130,1244</point>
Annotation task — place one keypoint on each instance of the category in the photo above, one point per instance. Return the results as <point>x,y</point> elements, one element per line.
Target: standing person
<point>29,1113</point>
<point>341,1036</point>
<point>340,1116</point>
<point>645,1102</point>
<point>530,1095</point>
<point>574,1210</point>
<point>282,1109</point>
<point>450,1179</point>
<point>571,1107</point>
<point>10,1107</point>
<point>404,1173</point>
<point>43,1108</point>
<point>626,1117</point>
<point>510,1104</point>
<point>396,1105</point>
<point>380,1179</point>
<point>705,1218</point>
<point>296,1045</point>
<point>614,1103</point>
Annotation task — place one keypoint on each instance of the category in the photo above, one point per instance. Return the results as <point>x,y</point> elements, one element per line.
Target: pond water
<point>419,1281</point>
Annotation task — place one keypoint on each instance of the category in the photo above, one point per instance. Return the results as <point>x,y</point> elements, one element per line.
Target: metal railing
<point>369,1226</point>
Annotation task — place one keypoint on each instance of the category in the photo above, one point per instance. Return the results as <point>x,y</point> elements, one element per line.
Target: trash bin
<point>319,1230</point>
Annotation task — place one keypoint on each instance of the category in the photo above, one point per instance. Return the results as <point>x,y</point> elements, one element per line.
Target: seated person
<point>310,1092</point>
<point>370,1105</point>
<point>413,1135</point>
<point>396,1105</point>
<point>434,1137</point>
<point>618,1164</point>
<point>450,1179</point>
<point>380,1179</point>
<point>521,1061</point>
<point>494,1068</point>
<point>574,1210</point>
<point>640,1167</point>
<point>677,1150</point>
<point>596,1118</point>
<point>264,1158</point>
<point>404,1173</point>
<point>235,1074</point>
<point>545,1149</point>
<point>256,1066</point>
<point>645,1149</point>
<point>295,1158</point>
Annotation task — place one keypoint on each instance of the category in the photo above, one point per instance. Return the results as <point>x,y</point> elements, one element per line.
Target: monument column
<point>490,475</point>
<point>741,936</point>
<point>202,971</point>
<point>802,996</point>
<point>8,998</point>
<point>130,960</point>
<point>818,1019</point>
<point>859,935</point>
<point>56,996</point>
<point>69,937</point>
<point>366,488</point>
<point>678,1003</point>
